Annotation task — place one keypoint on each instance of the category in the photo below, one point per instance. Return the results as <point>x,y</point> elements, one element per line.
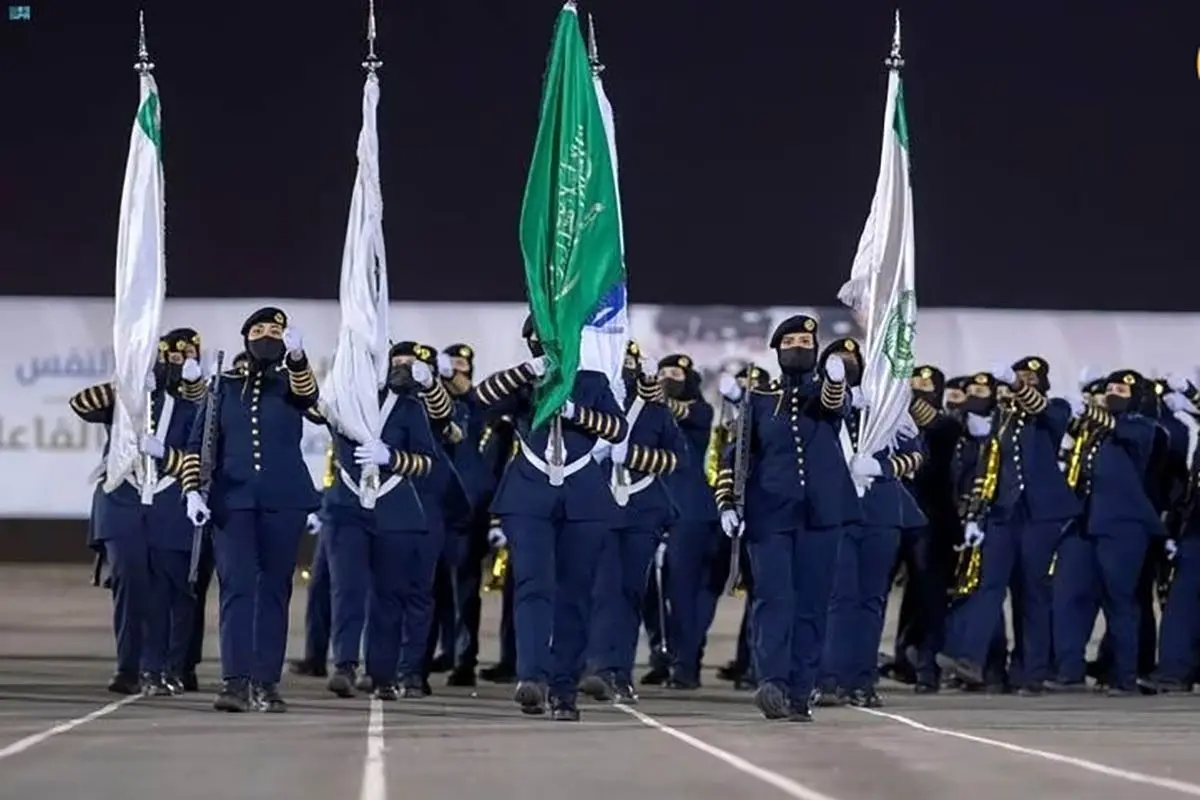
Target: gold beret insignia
<point>850,345</point>
<point>280,318</point>
<point>422,351</point>
<point>1034,364</point>
<point>1129,380</point>
<point>196,340</point>
<point>1158,388</point>
<point>634,349</point>
<point>926,372</point>
<point>754,373</point>
<point>181,345</point>
<point>163,347</point>
<point>981,378</point>
<point>685,362</point>
<point>464,352</point>
<point>809,324</point>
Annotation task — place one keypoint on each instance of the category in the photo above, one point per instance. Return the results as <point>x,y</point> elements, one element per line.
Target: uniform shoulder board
<point>234,373</point>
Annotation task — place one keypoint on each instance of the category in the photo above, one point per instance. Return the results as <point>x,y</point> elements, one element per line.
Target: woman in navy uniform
<point>1115,446</point>
<point>868,549</point>
<point>147,546</point>
<point>656,449</point>
<point>554,532</point>
<point>799,497</point>
<point>386,552</point>
<point>260,497</point>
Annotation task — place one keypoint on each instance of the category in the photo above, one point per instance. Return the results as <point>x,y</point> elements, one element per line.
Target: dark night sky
<point>1054,148</point>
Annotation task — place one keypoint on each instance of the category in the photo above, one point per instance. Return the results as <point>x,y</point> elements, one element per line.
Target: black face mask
<point>168,376</point>
<point>535,348</point>
<point>933,398</point>
<point>1117,404</point>
<point>979,405</point>
<point>266,351</point>
<point>674,389</point>
<point>400,378</point>
<point>798,360</point>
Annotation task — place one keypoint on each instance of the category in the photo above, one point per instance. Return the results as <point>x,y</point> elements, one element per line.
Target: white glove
<point>835,369</point>
<point>1078,406</point>
<point>865,467</point>
<point>730,523</point>
<point>313,524</point>
<point>1004,374</point>
<point>728,387</point>
<point>197,509</point>
<point>1172,549</point>
<point>375,452</point>
<point>973,535</point>
<point>293,342</point>
<point>978,425</point>
<point>496,537</point>
<point>858,398</point>
<point>422,374</point>
<point>151,383</point>
<point>1177,402</point>
<point>568,410</point>
<point>1178,383</point>
<point>536,365</point>
<point>620,453</point>
<point>151,446</point>
<point>191,370</point>
<point>445,365</point>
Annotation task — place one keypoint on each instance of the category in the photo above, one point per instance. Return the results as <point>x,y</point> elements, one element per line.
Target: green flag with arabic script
<point>570,219</point>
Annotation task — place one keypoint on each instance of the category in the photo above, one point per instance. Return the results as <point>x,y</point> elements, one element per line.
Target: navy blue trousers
<point>255,553</point>
<point>318,612</point>
<point>381,582</point>
<point>793,579</point>
<point>470,552</point>
<point>554,570</point>
<point>692,553</point>
<point>204,576</point>
<point>1179,637</point>
<point>856,605</point>
<point>617,599</point>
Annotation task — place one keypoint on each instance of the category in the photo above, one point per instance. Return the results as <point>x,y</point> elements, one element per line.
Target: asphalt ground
<point>62,736</point>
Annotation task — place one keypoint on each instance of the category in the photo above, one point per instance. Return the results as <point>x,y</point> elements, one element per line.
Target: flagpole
<point>144,67</point>
<point>372,64</point>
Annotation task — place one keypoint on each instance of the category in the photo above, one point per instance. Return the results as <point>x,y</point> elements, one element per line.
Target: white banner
<point>51,348</point>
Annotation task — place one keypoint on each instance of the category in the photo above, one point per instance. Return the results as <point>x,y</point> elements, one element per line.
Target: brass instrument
<point>967,573</point>
<point>499,571</point>
<point>718,440</point>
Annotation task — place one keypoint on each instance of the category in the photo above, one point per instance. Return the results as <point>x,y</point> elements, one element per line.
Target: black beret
<point>932,373</point>
<point>460,350</point>
<point>680,360</point>
<point>801,323</point>
<point>268,314</point>
<point>1035,364</point>
<point>414,350</point>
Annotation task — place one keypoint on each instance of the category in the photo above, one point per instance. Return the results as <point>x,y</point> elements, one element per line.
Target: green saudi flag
<point>570,225</point>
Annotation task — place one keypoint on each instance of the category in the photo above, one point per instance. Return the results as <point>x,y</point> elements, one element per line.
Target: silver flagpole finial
<point>373,62</point>
<point>894,61</point>
<point>593,52</point>
<point>144,65</point>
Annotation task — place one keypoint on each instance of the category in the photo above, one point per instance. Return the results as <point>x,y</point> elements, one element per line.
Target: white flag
<point>360,362</point>
<point>882,288</point>
<point>140,288</point>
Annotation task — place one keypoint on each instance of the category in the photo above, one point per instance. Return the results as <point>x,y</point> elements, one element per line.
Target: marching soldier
<point>656,449</point>
<point>868,549</point>
<point>498,445</point>
<point>1111,457</point>
<point>383,551</point>
<point>555,532</point>
<point>260,498</point>
<point>147,546</point>
<point>692,549</point>
<point>799,497</point>
<point>1019,504</point>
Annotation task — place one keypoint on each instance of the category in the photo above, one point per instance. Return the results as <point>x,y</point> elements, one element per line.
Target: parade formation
<point>596,486</point>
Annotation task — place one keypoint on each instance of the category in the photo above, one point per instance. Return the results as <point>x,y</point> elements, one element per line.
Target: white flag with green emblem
<point>882,288</point>
<point>140,288</point>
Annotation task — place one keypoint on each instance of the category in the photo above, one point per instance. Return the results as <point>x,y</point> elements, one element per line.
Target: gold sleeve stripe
<point>193,390</point>
<point>424,465</point>
<point>172,460</point>
<point>1030,399</point>
<point>610,425</point>
<point>923,412</point>
<point>635,459</point>
<point>651,392</point>
<point>487,391</point>
<point>454,434</point>
<point>833,394</point>
<point>583,417</point>
<point>679,409</point>
<point>671,462</point>
<point>437,401</point>
<point>189,472</point>
<point>302,382</point>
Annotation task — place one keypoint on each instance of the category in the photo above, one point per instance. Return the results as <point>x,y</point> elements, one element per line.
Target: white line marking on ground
<point>780,782</point>
<point>1169,784</point>
<point>37,738</point>
<point>374,781</point>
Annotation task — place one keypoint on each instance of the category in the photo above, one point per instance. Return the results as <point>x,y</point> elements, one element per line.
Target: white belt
<point>541,466</point>
<point>640,484</point>
<point>384,488</point>
<point>163,484</point>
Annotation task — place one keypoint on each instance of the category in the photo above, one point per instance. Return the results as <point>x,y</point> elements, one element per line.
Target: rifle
<point>741,467</point>
<point>208,457</point>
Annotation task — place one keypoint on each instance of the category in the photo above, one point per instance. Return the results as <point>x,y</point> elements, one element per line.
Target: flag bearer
<point>1019,505</point>
<point>693,548</point>
<point>1114,537</point>
<point>147,547</point>
<point>656,449</point>
<point>387,553</point>
<point>868,549</point>
<point>555,532</point>
<point>799,497</point>
<point>261,496</point>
